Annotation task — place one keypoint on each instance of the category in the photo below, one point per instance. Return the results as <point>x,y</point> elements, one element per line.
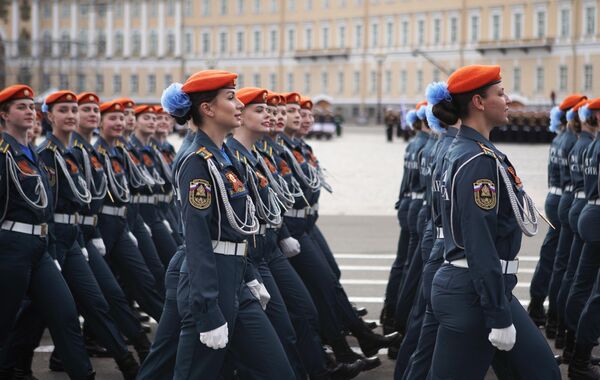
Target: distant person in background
<point>338,119</point>
<point>391,120</point>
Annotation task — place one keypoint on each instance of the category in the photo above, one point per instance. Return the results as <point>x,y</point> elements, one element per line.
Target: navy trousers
<point>395,278</point>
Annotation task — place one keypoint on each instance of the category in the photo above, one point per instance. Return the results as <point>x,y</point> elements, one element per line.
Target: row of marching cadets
<point>462,211</point>
<point>254,290</point>
<point>69,243</point>
<point>568,269</point>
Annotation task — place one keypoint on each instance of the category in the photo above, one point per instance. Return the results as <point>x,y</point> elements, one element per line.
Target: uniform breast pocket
<point>234,185</point>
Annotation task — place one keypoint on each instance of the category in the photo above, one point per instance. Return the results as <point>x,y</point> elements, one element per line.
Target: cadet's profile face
<point>146,123</point>
<point>162,124</point>
<point>293,117</point>
<point>36,131</point>
<point>256,118</point>
<point>89,116</point>
<point>112,125</point>
<point>281,118</point>
<point>495,105</point>
<point>272,112</point>
<point>225,109</point>
<point>306,122</point>
<point>129,115</point>
<point>20,114</point>
<point>64,116</point>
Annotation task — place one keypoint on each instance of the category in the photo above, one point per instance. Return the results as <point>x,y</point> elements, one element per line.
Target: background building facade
<point>361,53</point>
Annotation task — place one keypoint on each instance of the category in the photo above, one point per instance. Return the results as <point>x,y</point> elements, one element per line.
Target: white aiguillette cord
<point>13,170</point>
<point>82,195</point>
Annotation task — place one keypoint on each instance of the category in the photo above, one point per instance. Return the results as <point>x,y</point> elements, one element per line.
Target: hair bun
<point>446,111</point>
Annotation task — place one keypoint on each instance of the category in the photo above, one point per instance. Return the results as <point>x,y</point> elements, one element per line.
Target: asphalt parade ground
<point>359,222</point>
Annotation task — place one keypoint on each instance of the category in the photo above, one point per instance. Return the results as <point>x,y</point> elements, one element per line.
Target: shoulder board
<point>119,143</point>
<point>78,144</point>
<point>204,153</point>
<point>487,151</point>
<point>101,150</point>
<point>50,145</point>
<point>3,145</point>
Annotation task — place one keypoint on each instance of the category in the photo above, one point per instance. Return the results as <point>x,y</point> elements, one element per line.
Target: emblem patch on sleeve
<point>484,192</point>
<point>200,194</point>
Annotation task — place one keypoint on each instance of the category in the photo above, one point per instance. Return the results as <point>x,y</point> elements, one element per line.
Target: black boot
<point>128,366</point>
<point>370,343</point>
<point>536,311</point>
<point>567,354</point>
<point>580,367</point>
<point>360,311</point>
<point>551,326</point>
<point>387,321</point>
<point>6,373</point>
<point>91,376</point>
<point>55,363</point>
<point>344,354</point>
<point>344,371</point>
<point>21,374</point>
<point>142,346</point>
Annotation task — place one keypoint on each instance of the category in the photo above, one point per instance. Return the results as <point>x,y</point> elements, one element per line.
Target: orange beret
<point>292,98</point>
<point>421,104</point>
<point>306,103</point>
<point>14,92</point>
<point>126,102</point>
<point>144,108</point>
<point>469,78</point>
<point>88,97</point>
<point>112,106</point>
<point>273,99</point>
<point>570,101</point>
<point>282,100</point>
<point>209,80</point>
<point>579,105</point>
<point>252,95</point>
<point>158,109</point>
<point>61,97</point>
<point>594,104</point>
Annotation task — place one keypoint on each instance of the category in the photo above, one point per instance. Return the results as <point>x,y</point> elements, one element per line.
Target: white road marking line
<point>353,281</point>
<point>385,256</point>
<point>379,300</point>
<point>384,268</point>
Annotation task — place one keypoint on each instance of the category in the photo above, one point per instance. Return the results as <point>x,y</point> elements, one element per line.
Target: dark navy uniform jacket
<point>436,196</point>
<point>412,166</point>
<point>576,158</point>
<point>148,155</point>
<point>478,221</point>
<point>201,200</point>
<point>590,169</point>
<point>426,167</point>
<point>294,146</point>
<point>553,161</point>
<point>183,149</point>
<point>110,156</point>
<point>274,157</point>
<point>566,144</point>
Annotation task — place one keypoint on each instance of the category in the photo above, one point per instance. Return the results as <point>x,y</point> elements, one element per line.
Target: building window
<point>257,41</point>
<point>356,86</point>
<point>240,6</point>
<point>324,82</point>
<point>541,24</point>
<point>257,6</point>
<point>118,43</point>
<point>405,33</point>
<point>273,81</point>
<point>151,83</point>
<point>134,84</point>
<point>308,4</point>
<point>419,80</point>
<point>83,9</point>
<point>563,78</point>
<point>565,23</point>
<point>517,79</point>
<point>374,35</point>
<point>420,32</point>
<point>64,9</point>
<point>99,83</point>
<point>588,73</point>
<point>170,8</point>
<point>308,38</point>
<point>291,39</point>
<point>436,74</point>
<point>153,45</point>
<point>306,83</point>
<point>239,38</point>
<point>292,5</point>
<point>273,40</point>
<point>46,81</point>
<point>205,7</point>
<point>168,80</point>
<point>325,37</point>
<point>437,31</point>
<point>340,82</point>
<point>188,7</point>
<point>187,42</point>
<point>82,46</point>
<point>101,43</point>
<point>358,36</point>
<point>223,8</point>
<point>223,42</point>
<point>274,6</point>
<point>389,34</point>
<point>518,26</point>
<point>454,30</point>
<point>47,44</point>
<point>136,43</point>
<point>373,82</point>
<point>80,82</point>
<point>256,79</point>
<point>118,7</point>
<point>496,27</point>
<point>65,44</point>
<point>388,82</point>
<point>240,81</point>
<point>539,79</point>
<point>403,84</point>
<point>474,28</point>
<point>590,21</point>
<point>153,6</point>
<point>205,42</point>
<point>117,84</point>
<point>290,82</point>
<point>170,43</point>
<point>342,36</point>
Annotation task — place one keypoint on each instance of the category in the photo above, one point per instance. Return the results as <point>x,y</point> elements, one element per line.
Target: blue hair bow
<point>436,92</point>
<point>175,101</point>
<point>555,115</point>
<point>421,112</point>
<point>434,122</point>
<point>411,118</point>
<point>584,113</point>
<point>44,108</point>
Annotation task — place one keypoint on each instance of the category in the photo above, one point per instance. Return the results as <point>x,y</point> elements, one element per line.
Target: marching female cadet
<point>160,173</point>
<point>566,233</point>
<point>219,313</point>
<point>588,327</point>
<point>484,215</point>
<point>70,195</point>
<point>586,134</point>
<point>540,281</point>
<point>97,182</point>
<point>121,249</point>
<point>27,268</point>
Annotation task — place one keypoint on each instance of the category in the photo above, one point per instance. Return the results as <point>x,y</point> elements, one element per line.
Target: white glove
<point>168,225</point>
<point>503,339</point>
<point>57,265</point>
<point>290,247</point>
<point>259,291</point>
<point>147,227</point>
<point>133,238</point>
<point>85,253</point>
<point>216,338</point>
<point>99,244</point>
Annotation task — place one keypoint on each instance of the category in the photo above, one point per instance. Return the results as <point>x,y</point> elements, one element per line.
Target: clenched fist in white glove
<point>217,338</point>
<point>503,339</point>
<point>99,244</point>
<point>259,291</point>
<point>290,247</point>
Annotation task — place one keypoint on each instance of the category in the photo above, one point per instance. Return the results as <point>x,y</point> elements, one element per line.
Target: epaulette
<point>204,153</point>
<point>487,151</point>
<point>3,145</point>
<point>50,145</point>
<point>101,150</point>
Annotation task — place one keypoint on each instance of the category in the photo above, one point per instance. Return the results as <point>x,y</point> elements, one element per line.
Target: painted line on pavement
<point>384,268</point>
<point>379,300</point>
<point>352,281</point>
<point>385,256</point>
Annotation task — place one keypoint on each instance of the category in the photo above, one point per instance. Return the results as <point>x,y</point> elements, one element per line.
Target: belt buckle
<point>43,230</point>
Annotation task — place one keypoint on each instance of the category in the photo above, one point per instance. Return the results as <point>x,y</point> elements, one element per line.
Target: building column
<point>14,28</point>
<point>35,28</point>
<point>55,36</point>
<point>74,28</point>
<point>127,29</point>
<point>161,28</point>
<point>109,29</point>
<point>144,33</point>
<point>92,47</point>
<point>178,26</point>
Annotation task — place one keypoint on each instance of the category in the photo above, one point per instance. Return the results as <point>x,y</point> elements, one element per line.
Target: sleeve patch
<point>200,194</point>
<point>484,192</point>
